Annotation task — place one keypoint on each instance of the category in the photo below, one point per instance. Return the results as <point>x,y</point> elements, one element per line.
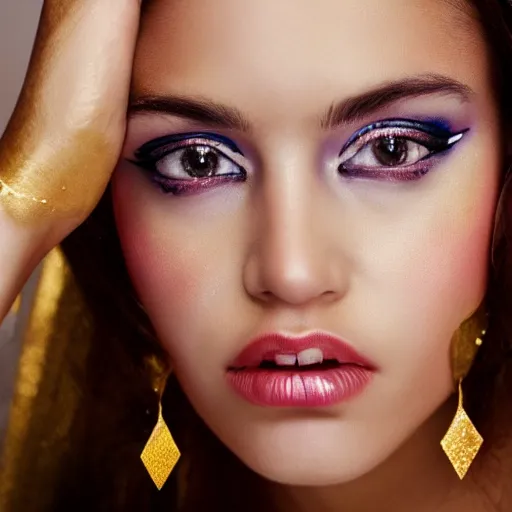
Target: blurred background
<point>18,24</point>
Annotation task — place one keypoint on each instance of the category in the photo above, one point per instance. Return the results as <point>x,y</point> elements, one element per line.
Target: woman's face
<point>318,178</point>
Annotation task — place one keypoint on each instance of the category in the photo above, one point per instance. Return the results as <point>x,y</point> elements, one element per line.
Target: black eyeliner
<point>435,128</point>
<point>147,151</point>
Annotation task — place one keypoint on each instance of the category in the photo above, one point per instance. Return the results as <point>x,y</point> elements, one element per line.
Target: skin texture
<point>393,268</point>
<point>65,136</point>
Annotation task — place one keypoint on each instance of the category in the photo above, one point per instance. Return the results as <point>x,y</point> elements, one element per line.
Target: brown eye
<point>197,162</point>
<point>397,149</point>
<point>390,151</point>
<point>200,161</point>
<point>386,152</point>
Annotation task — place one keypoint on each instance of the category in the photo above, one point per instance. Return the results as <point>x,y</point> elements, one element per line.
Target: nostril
<point>330,295</point>
<point>266,296</point>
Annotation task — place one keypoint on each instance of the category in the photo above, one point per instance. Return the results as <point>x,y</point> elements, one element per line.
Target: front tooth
<point>285,359</point>
<point>310,356</point>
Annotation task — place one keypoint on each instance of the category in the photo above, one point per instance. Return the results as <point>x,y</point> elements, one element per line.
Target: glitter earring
<point>462,440</point>
<point>161,453</point>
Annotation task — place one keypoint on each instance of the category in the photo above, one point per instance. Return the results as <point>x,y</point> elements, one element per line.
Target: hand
<point>64,138</point>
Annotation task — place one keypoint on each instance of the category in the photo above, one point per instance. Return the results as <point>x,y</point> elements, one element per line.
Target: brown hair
<point>103,471</point>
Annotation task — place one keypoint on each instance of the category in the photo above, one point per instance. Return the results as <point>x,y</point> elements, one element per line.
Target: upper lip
<point>267,346</point>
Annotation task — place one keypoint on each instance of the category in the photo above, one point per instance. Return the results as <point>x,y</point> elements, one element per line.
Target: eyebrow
<point>357,107</point>
<point>348,110</point>
<point>202,110</point>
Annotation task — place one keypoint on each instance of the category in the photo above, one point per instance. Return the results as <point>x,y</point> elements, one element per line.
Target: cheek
<point>457,231</point>
<point>425,270</point>
<point>182,273</point>
<point>447,266</point>
<point>455,249</point>
<point>165,274</point>
<point>447,279</point>
<point>439,255</point>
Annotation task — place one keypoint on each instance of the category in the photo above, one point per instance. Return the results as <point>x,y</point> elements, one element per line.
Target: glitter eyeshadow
<point>435,128</point>
<point>434,135</point>
<point>153,148</point>
<point>193,186</point>
<point>52,181</point>
<point>150,154</point>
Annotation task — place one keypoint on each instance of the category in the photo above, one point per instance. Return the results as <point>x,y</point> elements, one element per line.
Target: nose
<point>297,256</point>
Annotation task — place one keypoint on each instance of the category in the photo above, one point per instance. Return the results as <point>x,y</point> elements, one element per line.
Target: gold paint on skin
<point>62,182</point>
<point>64,138</point>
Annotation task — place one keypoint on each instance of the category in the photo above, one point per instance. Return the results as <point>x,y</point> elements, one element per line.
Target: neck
<point>418,477</point>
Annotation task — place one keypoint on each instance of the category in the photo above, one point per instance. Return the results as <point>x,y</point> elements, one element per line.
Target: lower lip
<point>300,388</point>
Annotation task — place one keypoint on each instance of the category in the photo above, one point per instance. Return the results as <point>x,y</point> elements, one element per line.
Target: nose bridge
<point>289,228</point>
<point>293,260</point>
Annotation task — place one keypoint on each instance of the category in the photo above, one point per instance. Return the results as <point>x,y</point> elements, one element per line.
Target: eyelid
<point>157,149</point>
<point>437,140</point>
<point>155,145</point>
<point>428,131</point>
<point>430,142</point>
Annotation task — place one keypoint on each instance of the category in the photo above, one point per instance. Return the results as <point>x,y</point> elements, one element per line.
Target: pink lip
<point>293,386</point>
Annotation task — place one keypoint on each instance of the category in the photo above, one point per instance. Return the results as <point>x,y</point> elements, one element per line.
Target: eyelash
<point>151,154</point>
<point>434,139</point>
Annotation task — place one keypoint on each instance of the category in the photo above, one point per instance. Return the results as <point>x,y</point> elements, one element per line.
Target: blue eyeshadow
<point>437,127</point>
<point>154,145</point>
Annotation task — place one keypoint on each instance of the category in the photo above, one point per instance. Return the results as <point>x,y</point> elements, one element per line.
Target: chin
<point>310,466</point>
<point>318,474</point>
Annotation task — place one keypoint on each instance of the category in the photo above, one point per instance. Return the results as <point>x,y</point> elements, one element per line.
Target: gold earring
<point>161,453</point>
<point>462,441</point>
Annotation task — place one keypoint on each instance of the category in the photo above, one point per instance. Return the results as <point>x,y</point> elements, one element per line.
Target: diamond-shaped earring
<point>160,454</point>
<point>462,440</point>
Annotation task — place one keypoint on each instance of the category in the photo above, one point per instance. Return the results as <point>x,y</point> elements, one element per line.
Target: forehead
<point>271,52</point>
